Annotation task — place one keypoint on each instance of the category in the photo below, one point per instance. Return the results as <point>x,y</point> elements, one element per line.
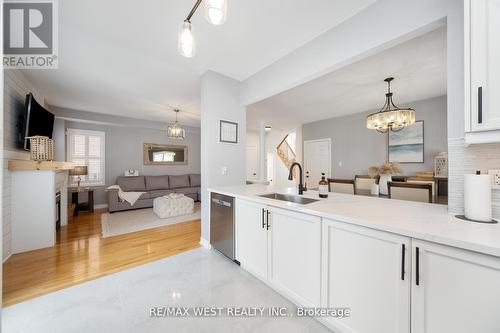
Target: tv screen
<point>37,121</point>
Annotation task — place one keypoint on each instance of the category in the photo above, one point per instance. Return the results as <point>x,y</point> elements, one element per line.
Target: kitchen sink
<point>289,198</point>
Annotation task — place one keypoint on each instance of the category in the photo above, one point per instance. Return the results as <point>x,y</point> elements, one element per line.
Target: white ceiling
<point>120,56</point>
<point>418,65</point>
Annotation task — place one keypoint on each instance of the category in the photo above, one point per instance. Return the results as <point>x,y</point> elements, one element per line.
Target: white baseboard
<point>100,206</point>
<point>10,254</point>
<point>205,243</point>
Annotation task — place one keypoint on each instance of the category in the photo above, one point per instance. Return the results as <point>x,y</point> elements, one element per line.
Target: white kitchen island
<point>399,266</point>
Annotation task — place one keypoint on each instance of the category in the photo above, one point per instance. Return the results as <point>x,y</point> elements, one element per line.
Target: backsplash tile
<point>463,160</point>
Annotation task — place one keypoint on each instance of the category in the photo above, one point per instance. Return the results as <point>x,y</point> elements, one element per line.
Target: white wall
<point>252,155</point>
<point>358,37</point>
<point>220,101</point>
<point>16,86</point>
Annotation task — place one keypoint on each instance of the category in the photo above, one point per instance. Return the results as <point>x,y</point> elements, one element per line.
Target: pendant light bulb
<point>215,11</point>
<point>186,44</point>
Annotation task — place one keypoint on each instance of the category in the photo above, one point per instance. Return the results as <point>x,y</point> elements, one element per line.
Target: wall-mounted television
<point>36,121</point>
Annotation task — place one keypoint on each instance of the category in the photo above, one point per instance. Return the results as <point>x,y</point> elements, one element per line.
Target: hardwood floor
<point>81,254</point>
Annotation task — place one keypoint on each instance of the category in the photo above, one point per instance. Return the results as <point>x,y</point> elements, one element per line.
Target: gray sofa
<point>154,186</point>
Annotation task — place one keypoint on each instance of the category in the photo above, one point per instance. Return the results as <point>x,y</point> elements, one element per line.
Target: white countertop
<point>430,222</point>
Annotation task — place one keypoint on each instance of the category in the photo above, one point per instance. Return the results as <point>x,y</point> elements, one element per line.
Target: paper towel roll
<point>477,197</point>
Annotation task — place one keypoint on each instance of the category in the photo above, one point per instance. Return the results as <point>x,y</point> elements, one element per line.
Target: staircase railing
<point>286,153</point>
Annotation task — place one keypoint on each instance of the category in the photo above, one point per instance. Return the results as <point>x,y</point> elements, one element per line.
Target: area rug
<point>120,223</point>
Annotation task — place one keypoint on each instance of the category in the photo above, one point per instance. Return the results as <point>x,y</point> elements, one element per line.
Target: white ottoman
<point>167,207</point>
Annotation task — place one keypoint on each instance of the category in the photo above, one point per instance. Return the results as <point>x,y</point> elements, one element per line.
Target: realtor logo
<point>30,34</point>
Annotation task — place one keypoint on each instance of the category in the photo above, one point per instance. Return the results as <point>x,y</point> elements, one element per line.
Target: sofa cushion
<point>132,184</point>
<point>194,180</point>
<point>159,193</point>
<point>187,190</point>
<point>178,181</point>
<point>156,183</point>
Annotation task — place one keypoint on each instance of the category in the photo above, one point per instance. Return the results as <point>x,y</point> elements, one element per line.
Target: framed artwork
<point>407,145</point>
<point>131,173</point>
<point>228,132</point>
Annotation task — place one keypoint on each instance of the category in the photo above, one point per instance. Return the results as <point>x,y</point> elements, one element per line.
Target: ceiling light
<point>390,117</point>
<point>187,46</point>
<point>175,131</point>
<point>215,11</point>
<point>267,128</point>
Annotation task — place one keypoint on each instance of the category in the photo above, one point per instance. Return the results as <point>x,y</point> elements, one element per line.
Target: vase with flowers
<point>385,171</point>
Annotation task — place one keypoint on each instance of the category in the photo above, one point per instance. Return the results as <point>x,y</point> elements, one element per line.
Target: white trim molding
<point>205,243</point>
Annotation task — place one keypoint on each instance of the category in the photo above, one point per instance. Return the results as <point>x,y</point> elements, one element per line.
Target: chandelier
<point>215,13</point>
<point>175,131</point>
<point>390,117</point>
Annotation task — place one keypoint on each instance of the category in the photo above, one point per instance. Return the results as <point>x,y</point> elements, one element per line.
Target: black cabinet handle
<point>267,219</point>
<point>263,223</point>
<point>480,105</point>
<point>417,266</point>
<point>403,262</point>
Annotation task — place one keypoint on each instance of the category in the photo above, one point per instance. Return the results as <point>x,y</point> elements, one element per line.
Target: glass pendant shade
<point>390,117</point>
<point>175,131</point>
<point>186,43</point>
<point>215,11</point>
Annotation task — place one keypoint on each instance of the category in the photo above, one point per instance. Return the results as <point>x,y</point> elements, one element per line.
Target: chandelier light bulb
<point>186,44</point>
<point>215,11</point>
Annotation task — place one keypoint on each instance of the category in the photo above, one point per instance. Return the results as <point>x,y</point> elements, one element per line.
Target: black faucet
<point>302,188</point>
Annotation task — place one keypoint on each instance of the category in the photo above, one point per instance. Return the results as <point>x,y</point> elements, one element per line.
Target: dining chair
<point>410,191</point>
<point>341,185</point>
<point>362,182</point>
<point>421,180</point>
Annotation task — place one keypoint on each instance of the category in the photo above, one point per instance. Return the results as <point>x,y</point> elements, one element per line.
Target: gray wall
<point>357,147</point>
<point>124,146</point>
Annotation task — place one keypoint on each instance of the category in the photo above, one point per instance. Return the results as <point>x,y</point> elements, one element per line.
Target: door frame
<point>329,140</point>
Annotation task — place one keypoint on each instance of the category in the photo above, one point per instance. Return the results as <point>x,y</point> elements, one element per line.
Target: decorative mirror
<point>160,154</point>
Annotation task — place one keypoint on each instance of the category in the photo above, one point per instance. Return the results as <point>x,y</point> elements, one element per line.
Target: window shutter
<point>87,148</point>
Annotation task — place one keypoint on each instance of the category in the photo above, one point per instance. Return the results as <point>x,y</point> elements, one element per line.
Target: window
<point>87,148</point>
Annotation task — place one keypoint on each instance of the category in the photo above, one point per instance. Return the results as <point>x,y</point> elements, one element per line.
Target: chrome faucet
<point>302,188</point>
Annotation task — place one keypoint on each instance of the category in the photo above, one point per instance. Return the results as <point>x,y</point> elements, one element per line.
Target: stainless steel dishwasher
<point>222,224</point>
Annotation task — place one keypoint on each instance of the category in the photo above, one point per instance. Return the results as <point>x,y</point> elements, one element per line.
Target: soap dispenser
<point>323,187</point>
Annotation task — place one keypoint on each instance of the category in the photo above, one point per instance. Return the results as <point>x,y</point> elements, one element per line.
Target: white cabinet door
<point>251,237</point>
<point>458,291</point>
<point>485,64</point>
<point>295,265</point>
<point>367,271</point>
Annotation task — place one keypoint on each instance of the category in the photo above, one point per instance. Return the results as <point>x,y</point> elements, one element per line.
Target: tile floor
<point>121,302</point>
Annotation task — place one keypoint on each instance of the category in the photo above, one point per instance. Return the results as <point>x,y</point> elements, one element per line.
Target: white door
<point>485,64</point>
<point>458,291</point>
<point>367,271</point>
<point>317,159</point>
<point>252,162</point>
<point>271,172</point>
<point>251,237</point>
<point>295,252</point>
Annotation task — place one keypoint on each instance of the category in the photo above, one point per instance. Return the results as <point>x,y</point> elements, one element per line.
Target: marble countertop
<point>430,222</point>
